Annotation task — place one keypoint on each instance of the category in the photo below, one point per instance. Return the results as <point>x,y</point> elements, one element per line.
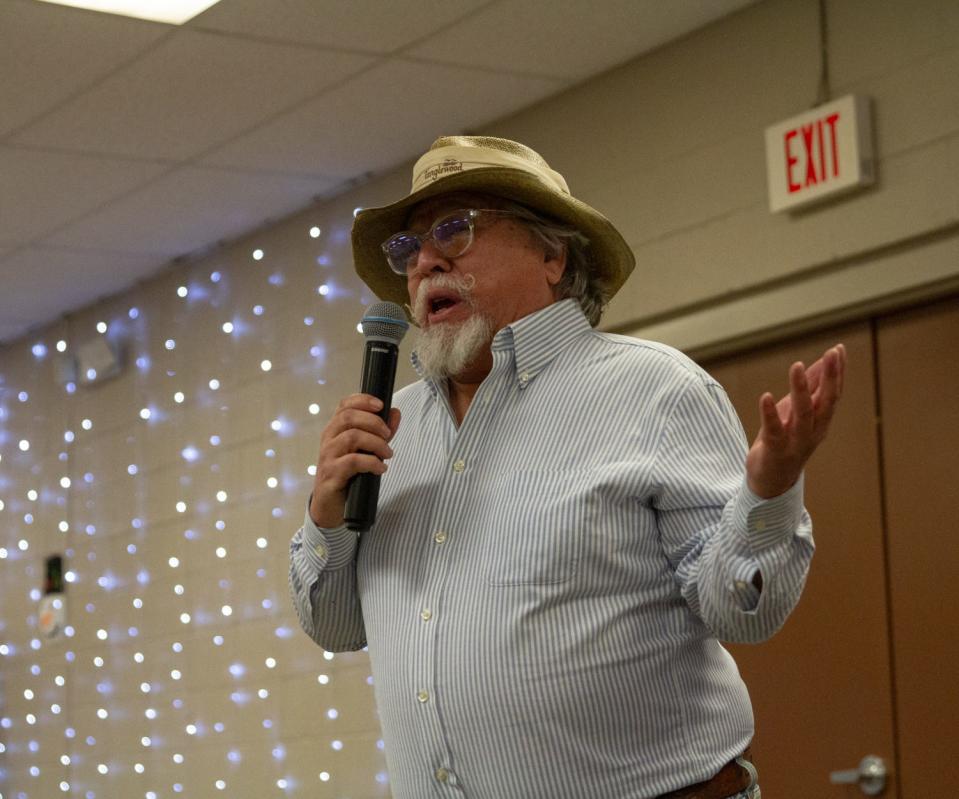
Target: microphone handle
<point>363,490</point>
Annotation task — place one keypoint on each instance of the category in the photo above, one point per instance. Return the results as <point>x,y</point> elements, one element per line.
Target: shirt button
<point>760,525</point>
<point>422,696</point>
<point>524,379</point>
<point>740,584</point>
<point>442,775</point>
<point>439,537</point>
<point>459,465</point>
<point>320,550</point>
<point>426,614</point>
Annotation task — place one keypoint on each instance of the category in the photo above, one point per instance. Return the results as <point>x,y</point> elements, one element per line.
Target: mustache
<point>463,286</point>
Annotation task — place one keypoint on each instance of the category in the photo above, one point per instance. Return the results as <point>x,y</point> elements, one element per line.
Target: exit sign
<point>819,154</point>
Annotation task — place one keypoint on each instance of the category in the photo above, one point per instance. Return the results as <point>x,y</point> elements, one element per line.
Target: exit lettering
<point>812,153</point>
<point>823,152</point>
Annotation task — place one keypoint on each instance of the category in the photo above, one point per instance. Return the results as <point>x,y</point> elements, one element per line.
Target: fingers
<point>358,411</point>
<point>394,422</point>
<point>355,440</point>
<point>841,349</point>
<point>830,387</point>
<point>800,396</point>
<point>770,425</point>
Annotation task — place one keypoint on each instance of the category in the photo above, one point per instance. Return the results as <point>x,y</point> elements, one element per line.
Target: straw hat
<point>498,167</point>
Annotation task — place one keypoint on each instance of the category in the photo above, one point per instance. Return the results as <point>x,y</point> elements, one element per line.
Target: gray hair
<point>579,281</point>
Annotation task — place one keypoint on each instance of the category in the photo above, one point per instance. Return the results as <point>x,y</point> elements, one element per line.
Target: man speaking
<point>570,522</point>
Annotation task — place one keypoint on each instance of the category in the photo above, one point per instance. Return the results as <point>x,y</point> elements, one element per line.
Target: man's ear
<point>555,265</point>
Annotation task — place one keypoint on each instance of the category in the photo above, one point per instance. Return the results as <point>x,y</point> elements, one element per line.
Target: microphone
<point>384,325</point>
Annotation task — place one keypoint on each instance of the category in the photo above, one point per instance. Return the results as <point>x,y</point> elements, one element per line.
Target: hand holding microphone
<point>354,444</point>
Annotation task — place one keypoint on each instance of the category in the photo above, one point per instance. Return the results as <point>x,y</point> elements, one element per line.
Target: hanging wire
<point>825,92</point>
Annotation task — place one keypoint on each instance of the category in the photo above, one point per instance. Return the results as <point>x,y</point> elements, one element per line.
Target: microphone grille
<point>385,321</point>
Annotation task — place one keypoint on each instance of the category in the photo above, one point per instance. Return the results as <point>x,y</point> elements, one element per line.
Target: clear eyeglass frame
<point>452,235</point>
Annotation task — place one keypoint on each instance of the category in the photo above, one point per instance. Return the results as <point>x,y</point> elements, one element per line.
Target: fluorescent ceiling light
<point>175,12</point>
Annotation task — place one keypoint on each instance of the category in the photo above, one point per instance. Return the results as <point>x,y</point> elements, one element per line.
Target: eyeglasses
<point>452,235</point>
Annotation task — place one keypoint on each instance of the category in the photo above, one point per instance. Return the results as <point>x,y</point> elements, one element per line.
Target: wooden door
<point>918,356</point>
<point>822,687</point>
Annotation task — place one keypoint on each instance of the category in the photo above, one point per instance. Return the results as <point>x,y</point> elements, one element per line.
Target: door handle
<point>870,776</point>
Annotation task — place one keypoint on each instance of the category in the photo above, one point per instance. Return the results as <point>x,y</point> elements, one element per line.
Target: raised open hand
<point>792,428</point>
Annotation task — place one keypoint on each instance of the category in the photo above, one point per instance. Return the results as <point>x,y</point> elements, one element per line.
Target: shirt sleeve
<point>716,533</point>
<point>323,586</point>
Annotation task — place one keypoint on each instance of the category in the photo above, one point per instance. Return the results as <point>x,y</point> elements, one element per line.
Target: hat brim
<point>611,258</point>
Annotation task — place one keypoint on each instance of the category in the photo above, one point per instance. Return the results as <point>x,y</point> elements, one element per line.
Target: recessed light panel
<point>174,12</point>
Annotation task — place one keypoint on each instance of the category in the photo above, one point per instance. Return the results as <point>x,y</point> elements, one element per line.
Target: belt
<point>728,781</point>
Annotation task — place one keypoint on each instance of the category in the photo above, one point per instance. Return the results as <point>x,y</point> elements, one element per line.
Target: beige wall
<point>669,146</point>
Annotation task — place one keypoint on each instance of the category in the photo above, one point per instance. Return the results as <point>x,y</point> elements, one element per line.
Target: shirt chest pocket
<point>537,527</point>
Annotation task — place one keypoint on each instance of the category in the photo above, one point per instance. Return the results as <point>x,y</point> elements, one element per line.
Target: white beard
<point>446,349</point>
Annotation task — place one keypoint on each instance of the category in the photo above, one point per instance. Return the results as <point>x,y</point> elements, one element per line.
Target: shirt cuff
<point>328,548</point>
<point>768,522</point>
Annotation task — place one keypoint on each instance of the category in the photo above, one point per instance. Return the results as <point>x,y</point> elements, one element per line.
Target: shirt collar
<point>535,340</point>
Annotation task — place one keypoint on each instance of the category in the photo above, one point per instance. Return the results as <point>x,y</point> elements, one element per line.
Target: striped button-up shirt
<point>546,584</point>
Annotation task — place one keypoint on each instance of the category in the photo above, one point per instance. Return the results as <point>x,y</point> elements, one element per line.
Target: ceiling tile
<point>367,25</point>
<point>39,284</point>
<point>567,38</point>
<point>189,94</point>
<point>42,190</point>
<point>382,118</point>
<point>48,54</point>
<point>189,209</point>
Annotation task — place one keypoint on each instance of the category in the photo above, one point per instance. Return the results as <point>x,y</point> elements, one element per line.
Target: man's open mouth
<point>442,306</point>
